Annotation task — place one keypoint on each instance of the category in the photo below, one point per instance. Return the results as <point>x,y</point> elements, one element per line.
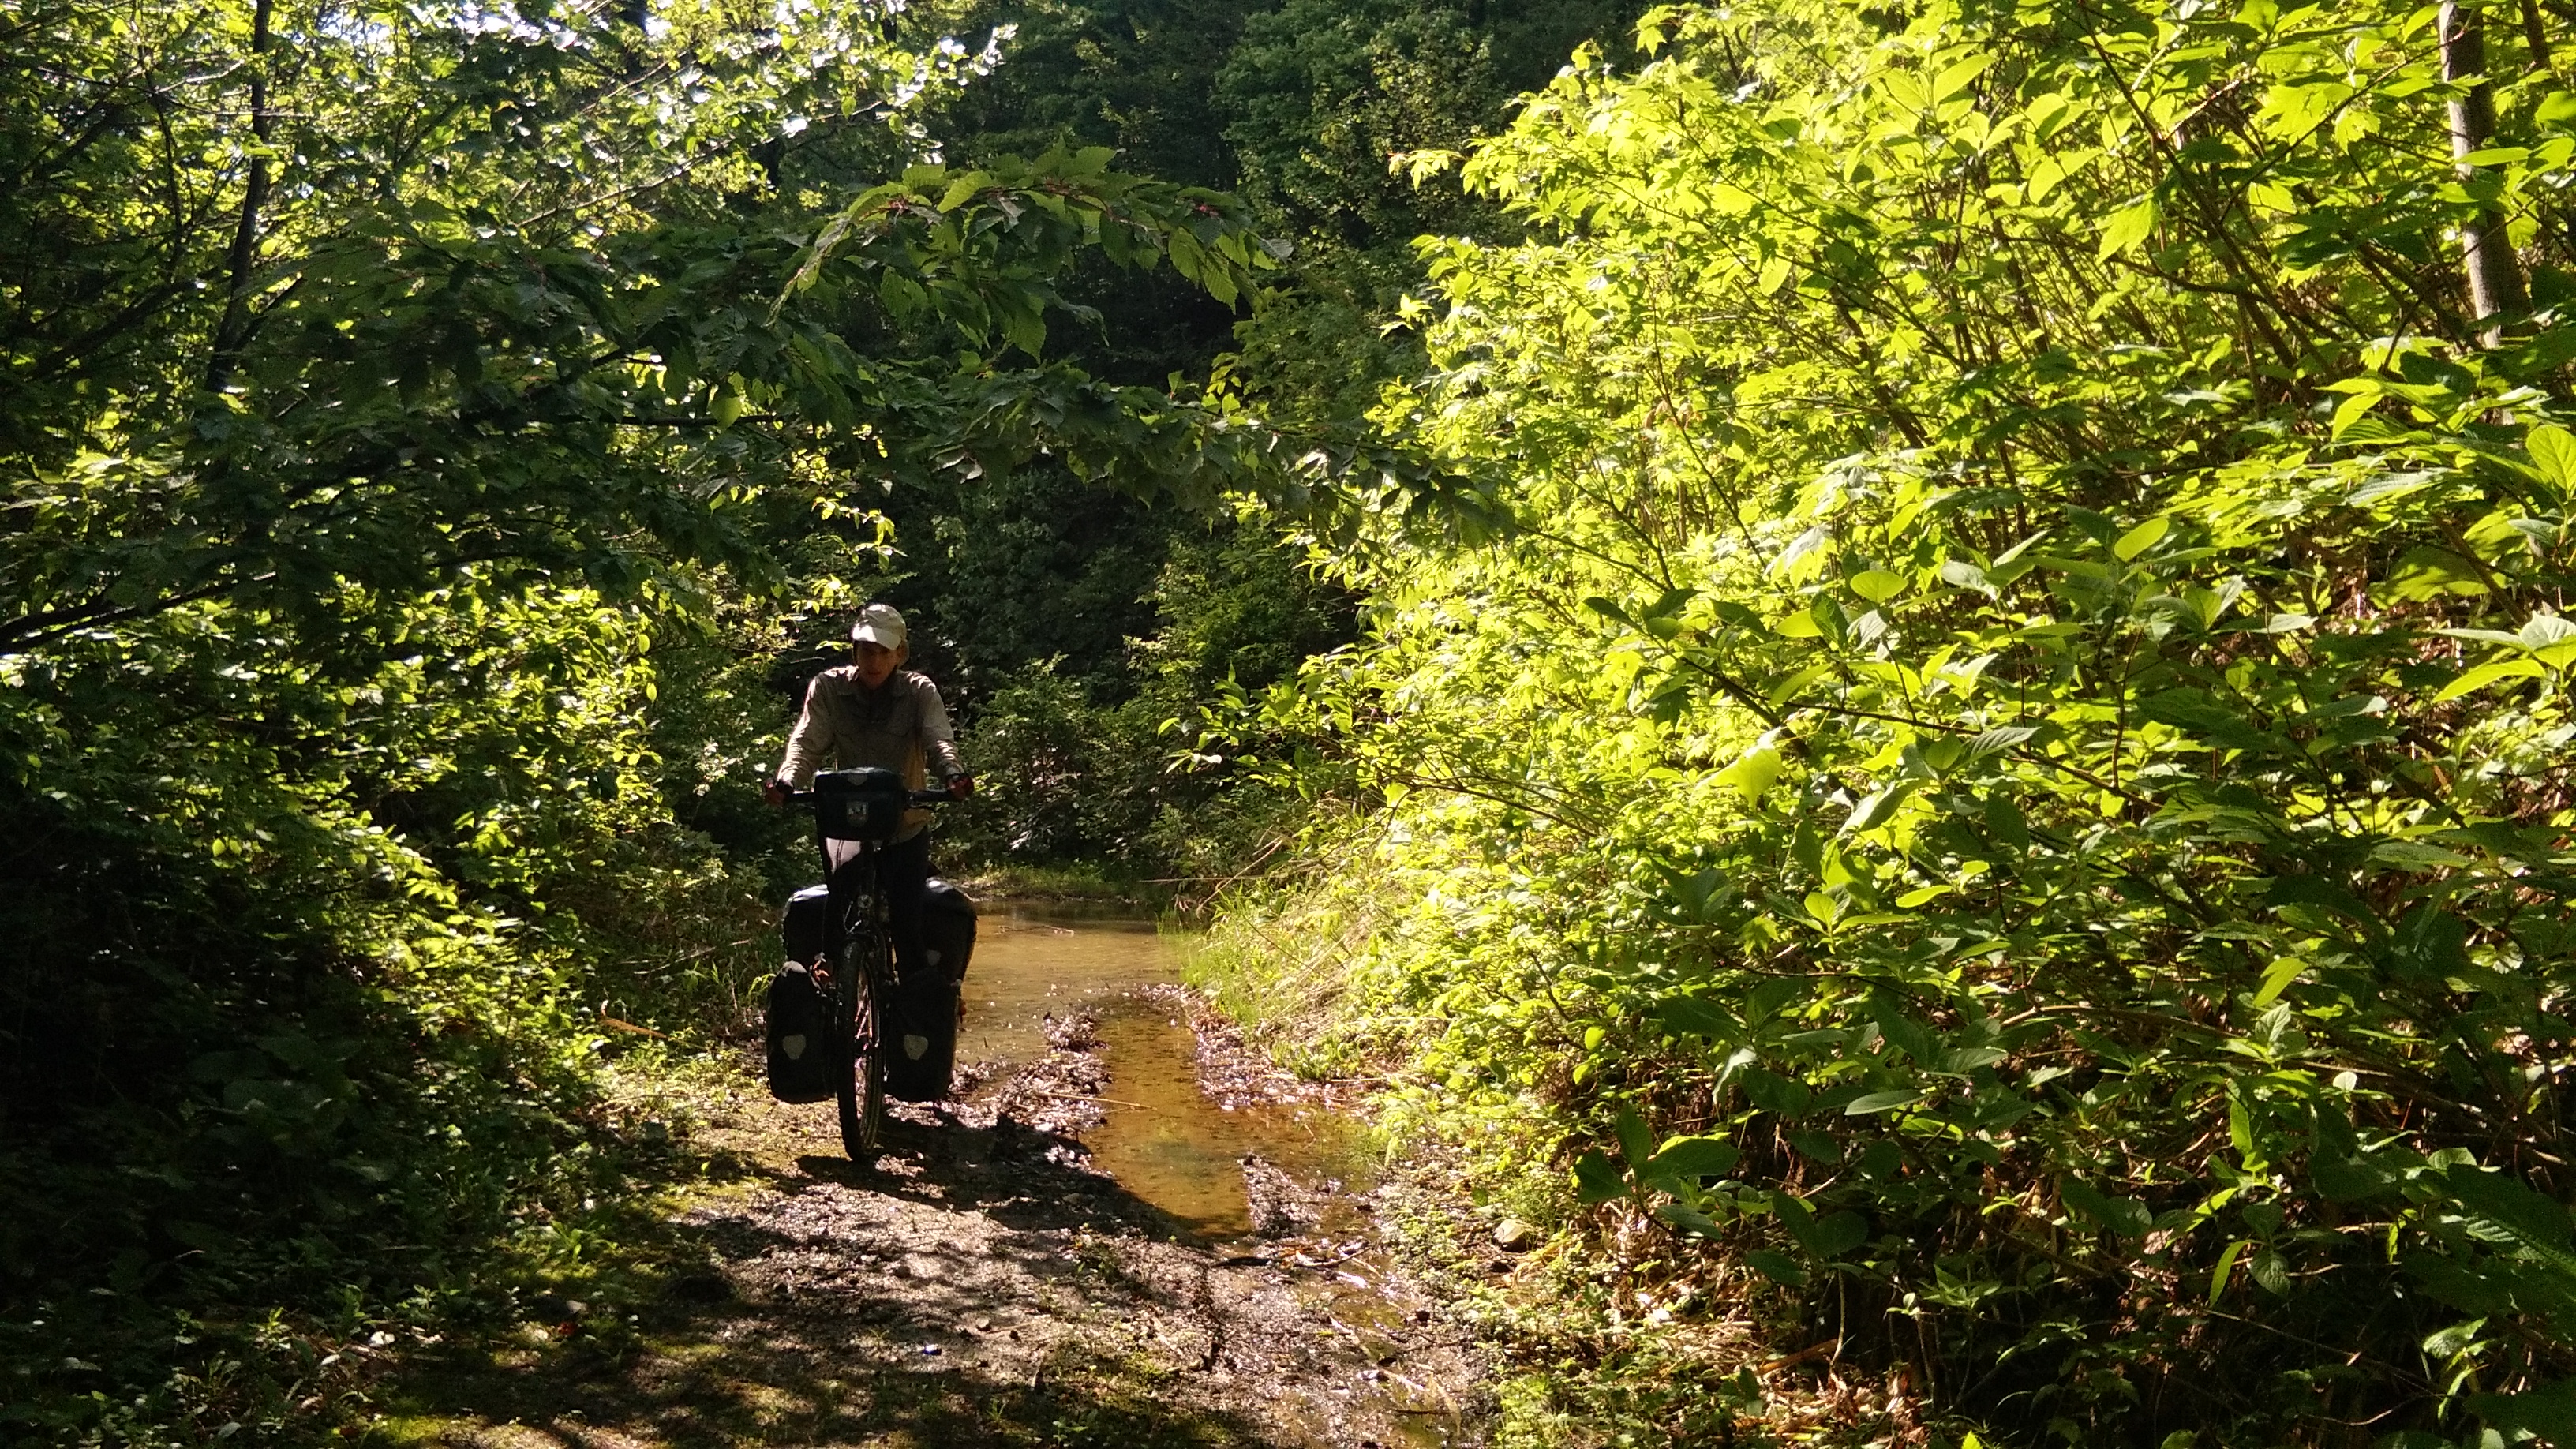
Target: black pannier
<point>921,1059</point>
<point>802,1049</point>
<point>801,1045</point>
<point>947,927</point>
<point>801,930</point>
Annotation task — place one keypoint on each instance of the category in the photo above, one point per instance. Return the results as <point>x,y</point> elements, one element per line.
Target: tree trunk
<point>2495,273</point>
<point>243,261</point>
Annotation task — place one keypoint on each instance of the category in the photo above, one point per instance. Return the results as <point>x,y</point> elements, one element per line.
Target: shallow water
<point>1164,1140</point>
<point>1169,1144</point>
<point>1030,964</point>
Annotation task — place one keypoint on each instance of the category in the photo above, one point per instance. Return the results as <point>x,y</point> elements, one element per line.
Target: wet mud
<point>1088,1248</point>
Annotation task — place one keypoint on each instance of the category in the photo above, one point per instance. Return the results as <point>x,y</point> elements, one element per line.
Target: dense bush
<point>2008,790</point>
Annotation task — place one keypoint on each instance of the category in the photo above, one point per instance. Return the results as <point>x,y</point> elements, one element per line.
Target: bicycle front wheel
<point>863,1006</point>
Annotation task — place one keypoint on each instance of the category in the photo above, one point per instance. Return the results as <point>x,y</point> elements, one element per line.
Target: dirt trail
<point>981,1283</point>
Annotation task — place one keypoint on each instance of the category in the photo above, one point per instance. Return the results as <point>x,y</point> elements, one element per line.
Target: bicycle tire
<point>862,1083</point>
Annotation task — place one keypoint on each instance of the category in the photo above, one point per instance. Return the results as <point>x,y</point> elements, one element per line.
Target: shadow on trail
<point>972,1286</point>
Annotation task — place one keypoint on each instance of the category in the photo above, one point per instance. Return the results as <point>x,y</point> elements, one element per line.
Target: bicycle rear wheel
<point>862,1084</point>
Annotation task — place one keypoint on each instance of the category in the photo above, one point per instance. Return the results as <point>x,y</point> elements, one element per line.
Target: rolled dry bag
<point>921,1056</point>
<point>802,1054</point>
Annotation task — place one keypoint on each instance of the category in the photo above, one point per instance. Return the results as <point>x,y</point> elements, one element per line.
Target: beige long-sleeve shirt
<point>902,725</point>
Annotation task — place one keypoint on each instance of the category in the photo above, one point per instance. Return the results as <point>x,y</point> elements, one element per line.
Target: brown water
<point>1164,1140</point>
<point>1168,1143</point>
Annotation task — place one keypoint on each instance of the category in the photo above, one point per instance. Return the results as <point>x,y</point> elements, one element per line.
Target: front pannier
<point>947,927</point>
<point>923,1035</point>
<point>803,1051</point>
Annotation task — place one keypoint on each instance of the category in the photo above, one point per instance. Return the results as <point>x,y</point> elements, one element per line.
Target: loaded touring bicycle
<point>842,1022</point>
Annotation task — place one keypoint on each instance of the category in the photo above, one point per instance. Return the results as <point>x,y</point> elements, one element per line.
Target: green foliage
<point>2026,697</point>
<point>422,427</point>
<point>1326,106</point>
<point>1081,747</point>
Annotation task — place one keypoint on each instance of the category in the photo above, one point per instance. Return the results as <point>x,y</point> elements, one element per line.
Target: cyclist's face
<point>876,662</point>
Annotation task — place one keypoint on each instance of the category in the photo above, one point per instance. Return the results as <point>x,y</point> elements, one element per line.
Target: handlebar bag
<point>864,804</point>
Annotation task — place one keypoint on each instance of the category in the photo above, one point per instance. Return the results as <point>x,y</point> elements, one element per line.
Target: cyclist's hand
<point>775,792</point>
<point>960,786</point>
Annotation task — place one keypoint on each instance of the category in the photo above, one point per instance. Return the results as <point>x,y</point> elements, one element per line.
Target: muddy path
<point>1089,1248</point>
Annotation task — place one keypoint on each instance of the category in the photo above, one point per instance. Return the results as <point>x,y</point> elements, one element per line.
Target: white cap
<point>878,624</point>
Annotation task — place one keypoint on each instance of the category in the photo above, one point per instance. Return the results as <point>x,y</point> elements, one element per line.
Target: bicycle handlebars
<point>910,797</point>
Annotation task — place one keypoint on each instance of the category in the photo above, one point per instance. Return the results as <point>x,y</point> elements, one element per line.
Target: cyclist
<point>874,712</point>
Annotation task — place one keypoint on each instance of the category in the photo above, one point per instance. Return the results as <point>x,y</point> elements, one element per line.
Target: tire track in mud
<point>981,1282</point>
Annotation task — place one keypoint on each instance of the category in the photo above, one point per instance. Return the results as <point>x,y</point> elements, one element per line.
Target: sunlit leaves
<point>2104,661</point>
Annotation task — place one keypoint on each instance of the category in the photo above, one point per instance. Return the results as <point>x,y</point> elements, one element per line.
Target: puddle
<point>1164,1140</point>
<point>1028,964</point>
<point>1169,1144</point>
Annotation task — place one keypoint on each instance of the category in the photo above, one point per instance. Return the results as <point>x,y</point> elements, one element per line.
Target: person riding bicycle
<point>874,712</point>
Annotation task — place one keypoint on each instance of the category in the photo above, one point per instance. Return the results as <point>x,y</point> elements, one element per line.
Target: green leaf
<point>2486,674</point>
<point>1837,1233</point>
<point>1596,1180</point>
<point>1873,811</point>
<point>1696,1016</point>
<point>2004,821</point>
<point>1777,1266</point>
<point>2126,1216</point>
<point>2226,1262</point>
<point>2278,979</point>
<point>2553,448</point>
<point>1999,739</point>
<point>2195,711</point>
<point>1956,76</point>
<point>2548,1411</point>
<point>1753,775</point>
<point>2430,943</point>
<point>2551,640</point>
<point>1775,1093</point>
<point>2533,1220</point>
<point>2452,1340</point>
<point>2416,855</point>
<point>2141,538</point>
<point>1688,1219</point>
<point>2349,1178</point>
<point>1877,1102</point>
<point>1636,1143</point>
<point>2349,413</point>
<point>1876,585</point>
<point>1690,1158</point>
<point>2127,229</point>
<point>2485,1288</point>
